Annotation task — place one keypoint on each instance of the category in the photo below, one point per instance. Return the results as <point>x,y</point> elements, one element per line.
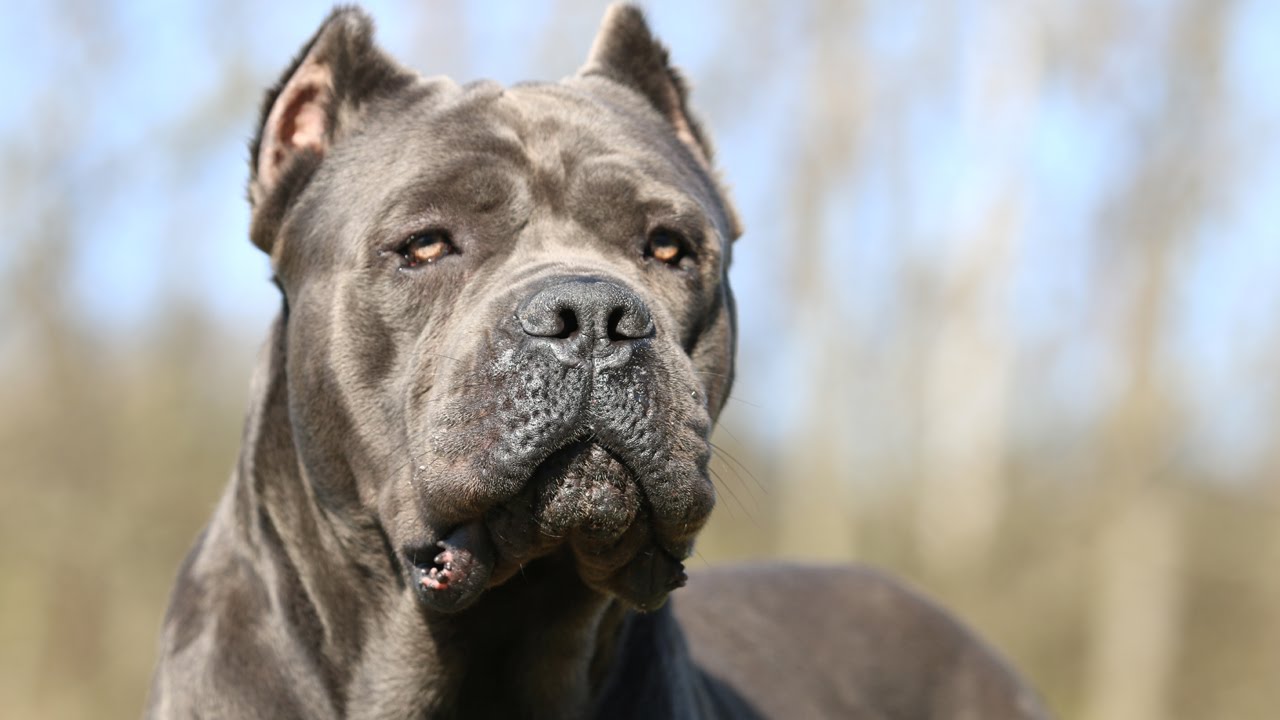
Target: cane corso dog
<point>476,453</point>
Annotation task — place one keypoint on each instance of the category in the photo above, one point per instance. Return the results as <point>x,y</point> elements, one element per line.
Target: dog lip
<point>458,570</point>
<point>647,580</point>
<point>566,451</point>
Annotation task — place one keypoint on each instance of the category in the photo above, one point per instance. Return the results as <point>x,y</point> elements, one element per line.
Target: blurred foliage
<point>1131,578</point>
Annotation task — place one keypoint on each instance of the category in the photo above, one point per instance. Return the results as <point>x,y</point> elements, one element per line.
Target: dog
<point>476,452</point>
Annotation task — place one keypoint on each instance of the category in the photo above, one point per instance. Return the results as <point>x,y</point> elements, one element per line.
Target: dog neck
<point>541,645</point>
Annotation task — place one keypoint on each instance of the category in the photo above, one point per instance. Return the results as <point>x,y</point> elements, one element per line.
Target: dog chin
<point>583,497</point>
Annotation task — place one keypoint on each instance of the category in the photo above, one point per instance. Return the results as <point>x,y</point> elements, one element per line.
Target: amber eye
<point>427,247</point>
<point>667,247</point>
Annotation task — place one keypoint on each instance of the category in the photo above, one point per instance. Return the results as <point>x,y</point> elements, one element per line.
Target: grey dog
<point>476,453</point>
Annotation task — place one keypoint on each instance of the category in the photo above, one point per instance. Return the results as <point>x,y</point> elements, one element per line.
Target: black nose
<point>584,316</point>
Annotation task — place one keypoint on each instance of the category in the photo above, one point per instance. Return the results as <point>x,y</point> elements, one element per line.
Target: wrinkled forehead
<point>536,145</point>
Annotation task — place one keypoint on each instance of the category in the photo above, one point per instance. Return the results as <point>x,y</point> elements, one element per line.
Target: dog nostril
<point>615,320</point>
<point>628,322</point>
<point>568,324</point>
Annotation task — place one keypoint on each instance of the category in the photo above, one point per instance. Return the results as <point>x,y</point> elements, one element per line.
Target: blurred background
<point>1008,300</point>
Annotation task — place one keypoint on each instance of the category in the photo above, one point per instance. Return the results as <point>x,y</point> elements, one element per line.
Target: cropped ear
<point>626,52</point>
<point>317,101</point>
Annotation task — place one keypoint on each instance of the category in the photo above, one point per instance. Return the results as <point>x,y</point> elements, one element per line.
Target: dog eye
<point>666,247</point>
<point>426,248</point>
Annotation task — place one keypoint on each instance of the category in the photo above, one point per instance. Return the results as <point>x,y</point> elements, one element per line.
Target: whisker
<point>755,503</point>
<point>712,374</point>
<point>441,355</point>
<point>729,490</point>
<point>721,452</point>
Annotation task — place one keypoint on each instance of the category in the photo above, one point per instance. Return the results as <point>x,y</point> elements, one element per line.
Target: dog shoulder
<point>849,641</point>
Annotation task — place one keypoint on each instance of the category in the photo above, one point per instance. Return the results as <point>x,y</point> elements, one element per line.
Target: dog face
<point>508,322</point>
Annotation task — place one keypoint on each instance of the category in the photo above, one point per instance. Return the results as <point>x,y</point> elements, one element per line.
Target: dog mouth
<point>459,570</point>
<point>583,496</point>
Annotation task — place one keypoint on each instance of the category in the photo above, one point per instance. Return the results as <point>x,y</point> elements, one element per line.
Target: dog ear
<point>316,102</point>
<point>626,52</point>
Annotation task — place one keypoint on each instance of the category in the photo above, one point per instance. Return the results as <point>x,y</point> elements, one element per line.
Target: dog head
<point>508,325</point>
